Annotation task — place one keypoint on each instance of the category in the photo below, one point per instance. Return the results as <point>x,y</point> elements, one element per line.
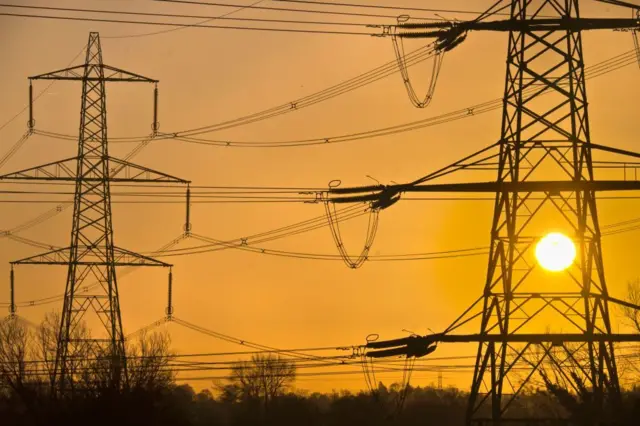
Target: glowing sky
<point>207,76</point>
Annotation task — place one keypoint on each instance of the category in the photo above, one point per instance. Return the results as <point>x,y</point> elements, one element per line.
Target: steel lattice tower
<point>534,326</point>
<point>92,254</point>
<point>537,133</point>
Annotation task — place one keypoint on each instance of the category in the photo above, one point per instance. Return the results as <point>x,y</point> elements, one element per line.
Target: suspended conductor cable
<point>371,6</point>
<point>292,10</point>
<point>147,328</point>
<point>180,25</point>
<point>19,113</point>
<point>438,59</point>
<point>372,228</point>
<point>169,30</point>
<point>231,339</point>
<point>605,67</point>
<point>15,148</point>
<point>409,364</point>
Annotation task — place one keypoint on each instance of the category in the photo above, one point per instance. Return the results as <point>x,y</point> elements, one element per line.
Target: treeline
<point>180,405</point>
<point>260,391</point>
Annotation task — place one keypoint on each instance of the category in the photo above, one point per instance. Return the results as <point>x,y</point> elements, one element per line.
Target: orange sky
<point>207,76</point>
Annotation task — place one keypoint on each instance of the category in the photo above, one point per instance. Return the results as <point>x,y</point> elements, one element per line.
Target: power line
<point>242,342</point>
<point>19,113</point>
<point>347,86</point>
<point>417,56</point>
<point>248,243</point>
<point>293,10</point>
<point>184,16</point>
<point>173,24</point>
<point>605,67</point>
<point>169,30</point>
<point>597,70</point>
<point>371,6</point>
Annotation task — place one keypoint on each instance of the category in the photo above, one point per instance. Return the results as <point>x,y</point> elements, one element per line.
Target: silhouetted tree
<point>14,354</point>
<point>27,358</point>
<point>264,377</point>
<point>633,296</point>
<point>148,361</point>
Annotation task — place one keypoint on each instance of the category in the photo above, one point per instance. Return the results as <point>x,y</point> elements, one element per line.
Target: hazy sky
<point>210,75</point>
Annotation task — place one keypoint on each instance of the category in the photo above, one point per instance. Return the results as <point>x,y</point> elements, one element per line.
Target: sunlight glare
<point>555,252</point>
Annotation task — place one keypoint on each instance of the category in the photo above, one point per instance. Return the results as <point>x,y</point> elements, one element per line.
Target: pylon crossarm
<point>549,187</point>
<point>130,258</point>
<point>483,160</point>
<point>90,256</point>
<point>53,257</point>
<point>554,338</point>
<point>399,346</point>
<point>117,74</point>
<point>70,73</point>
<point>124,171</point>
<point>57,170</point>
<point>120,171</point>
<point>621,3</point>
<point>613,150</point>
<point>77,73</point>
<point>413,346</point>
<point>622,303</point>
<point>446,31</point>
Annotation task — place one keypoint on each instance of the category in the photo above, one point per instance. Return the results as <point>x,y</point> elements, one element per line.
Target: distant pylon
<point>92,253</point>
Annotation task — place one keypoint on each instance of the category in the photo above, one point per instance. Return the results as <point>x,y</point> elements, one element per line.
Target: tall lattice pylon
<point>537,326</point>
<point>92,254</point>
<point>543,136</point>
<point>534,328</point>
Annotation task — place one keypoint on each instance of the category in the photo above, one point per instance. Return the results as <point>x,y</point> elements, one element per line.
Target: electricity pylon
<point>536,133</point>
<point>92,253</point>
<point>535,327</point>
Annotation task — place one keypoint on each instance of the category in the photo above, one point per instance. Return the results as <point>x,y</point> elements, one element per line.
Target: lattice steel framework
<point>92,253</point>
<point>536,133</point>
<point>535,327</point>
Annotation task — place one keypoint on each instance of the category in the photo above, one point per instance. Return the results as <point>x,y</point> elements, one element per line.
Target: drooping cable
<point>372,6</point>
<point>288,9</point>
<point>15,148</point>
<point>170,30</point>
<point>242,342</point>
<point>372,228</point>
<point>438,59</point>
<point>405,386</point>
<point>180,25</point>
<point>602,68</point>
<point>225,17</point>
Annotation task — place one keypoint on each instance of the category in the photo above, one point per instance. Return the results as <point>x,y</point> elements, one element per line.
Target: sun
<point>555,252</point>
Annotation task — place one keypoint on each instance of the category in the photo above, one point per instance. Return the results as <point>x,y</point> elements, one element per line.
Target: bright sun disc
<point>555,252</point>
